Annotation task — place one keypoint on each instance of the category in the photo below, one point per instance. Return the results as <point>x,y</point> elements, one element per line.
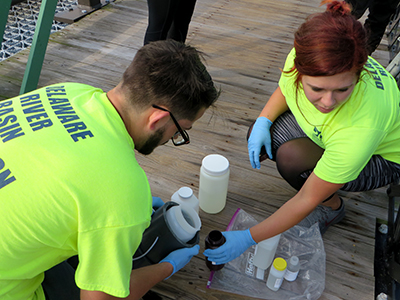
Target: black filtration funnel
<point>159,240</point>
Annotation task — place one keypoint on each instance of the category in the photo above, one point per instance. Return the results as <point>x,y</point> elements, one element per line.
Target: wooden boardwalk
<point>246,43</point>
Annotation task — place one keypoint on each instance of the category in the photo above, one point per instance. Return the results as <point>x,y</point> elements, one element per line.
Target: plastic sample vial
<point>185,196</point>
<point>213,185</point>
<point>292,269</point>
<point>265,252</point>
<point>276,273</point>
<point>214,240</point>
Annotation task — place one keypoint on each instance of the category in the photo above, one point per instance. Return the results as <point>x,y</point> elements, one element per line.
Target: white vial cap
<point>215,164</point>
<point>294,261</point>
<point>185,192</point>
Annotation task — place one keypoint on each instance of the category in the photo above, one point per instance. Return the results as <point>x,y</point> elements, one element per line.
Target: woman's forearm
<point>275,106</point>
<point>313,192</point>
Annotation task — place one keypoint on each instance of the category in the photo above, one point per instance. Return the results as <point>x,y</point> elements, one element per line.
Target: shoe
<point>325,216</point>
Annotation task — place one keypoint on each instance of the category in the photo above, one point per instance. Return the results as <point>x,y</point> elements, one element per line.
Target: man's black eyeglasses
<point>180,137</point>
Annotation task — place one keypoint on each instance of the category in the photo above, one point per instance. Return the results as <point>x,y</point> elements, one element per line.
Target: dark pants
<point>59,283</point>
<point>380,12</point>
<point>168,19</point>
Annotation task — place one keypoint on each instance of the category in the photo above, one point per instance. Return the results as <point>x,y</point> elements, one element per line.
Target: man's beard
<point>152,142</point>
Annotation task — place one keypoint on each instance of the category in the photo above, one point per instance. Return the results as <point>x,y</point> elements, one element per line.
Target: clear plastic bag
<point>239,275</point>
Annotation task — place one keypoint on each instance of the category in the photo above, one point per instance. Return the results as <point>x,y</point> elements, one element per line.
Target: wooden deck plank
<point>246,42</point>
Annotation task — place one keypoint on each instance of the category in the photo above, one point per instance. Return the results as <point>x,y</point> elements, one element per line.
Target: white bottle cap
<point>215,164</point>
<point>294,261</point>
<point>185,192</point>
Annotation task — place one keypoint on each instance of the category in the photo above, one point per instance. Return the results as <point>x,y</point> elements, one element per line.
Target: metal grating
<point>21,23</point>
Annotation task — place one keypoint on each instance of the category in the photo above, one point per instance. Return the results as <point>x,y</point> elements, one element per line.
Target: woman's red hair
<point>330,43</point>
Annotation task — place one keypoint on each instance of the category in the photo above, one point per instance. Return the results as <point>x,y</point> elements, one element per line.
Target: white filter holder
<point>265,252</point>
<point>184,221</point>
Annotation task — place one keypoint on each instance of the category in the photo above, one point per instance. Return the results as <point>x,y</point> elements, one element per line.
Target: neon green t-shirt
<point>69,185</point>
<point>367,123</point>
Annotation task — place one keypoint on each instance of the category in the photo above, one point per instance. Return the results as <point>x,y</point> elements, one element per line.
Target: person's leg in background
<point>181,21</point>
<point>161,14</point>
<point>359,7</point>
<point>59,283</point>
<point>380,13</point>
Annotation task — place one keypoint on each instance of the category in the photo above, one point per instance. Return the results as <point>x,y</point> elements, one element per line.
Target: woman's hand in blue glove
<point>259,136</point>
<point>179,258</point>
<point>236,243</point>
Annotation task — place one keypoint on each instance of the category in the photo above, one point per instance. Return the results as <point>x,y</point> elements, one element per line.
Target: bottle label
<point>278,283</point>
<point>291,276</point>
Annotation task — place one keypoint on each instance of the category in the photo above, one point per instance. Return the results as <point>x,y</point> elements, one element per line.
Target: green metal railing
<point>42,32</point>
<point>39,44</point>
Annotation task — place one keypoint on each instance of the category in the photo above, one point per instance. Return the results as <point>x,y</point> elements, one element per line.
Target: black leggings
<point>380,12</point>
<point>168,19</point>
<point>296,155</point>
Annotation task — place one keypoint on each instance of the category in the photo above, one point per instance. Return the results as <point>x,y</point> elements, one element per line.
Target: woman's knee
<point>298,155</point>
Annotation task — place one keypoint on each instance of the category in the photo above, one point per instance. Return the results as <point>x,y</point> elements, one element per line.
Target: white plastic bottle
<point>293,268</point>
<point>213,186</point>
<point>185,196</point>
<point>276,273</point>
<point>265,252</point>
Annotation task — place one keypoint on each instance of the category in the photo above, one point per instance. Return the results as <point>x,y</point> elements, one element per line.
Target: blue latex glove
<point>260,136</point>
<point>179,258</point>
<point>157,203</point>
<point>236,243</point>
